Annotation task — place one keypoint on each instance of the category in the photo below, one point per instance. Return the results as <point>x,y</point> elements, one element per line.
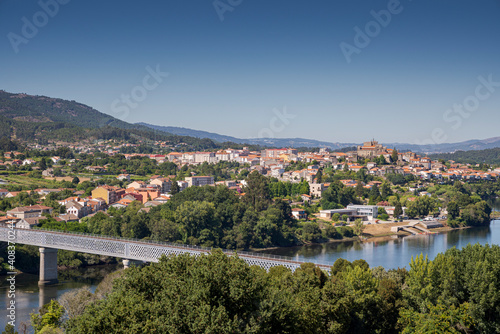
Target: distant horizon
<point>243,138</point>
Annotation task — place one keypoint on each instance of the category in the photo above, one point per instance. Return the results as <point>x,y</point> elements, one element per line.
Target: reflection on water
<point>393,253</point>
<point>29,296</point>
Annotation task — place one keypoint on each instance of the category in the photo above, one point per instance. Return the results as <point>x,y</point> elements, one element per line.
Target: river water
<point>393,253</point>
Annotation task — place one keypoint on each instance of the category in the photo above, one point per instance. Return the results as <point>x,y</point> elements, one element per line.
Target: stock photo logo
<point>31,26</point>
<point>223,6</point>
<point>455,116</point>
<point>121,106</point>
<point>372,29</point>
<point>277,123</point>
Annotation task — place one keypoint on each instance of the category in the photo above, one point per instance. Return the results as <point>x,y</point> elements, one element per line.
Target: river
<point>393,253</point>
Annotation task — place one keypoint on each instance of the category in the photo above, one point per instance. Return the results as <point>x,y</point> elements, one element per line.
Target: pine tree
<point>174,189</point>
<point>395,156</point>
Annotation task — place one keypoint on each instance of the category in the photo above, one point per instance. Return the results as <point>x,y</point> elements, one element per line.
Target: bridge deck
<point>132,249</point>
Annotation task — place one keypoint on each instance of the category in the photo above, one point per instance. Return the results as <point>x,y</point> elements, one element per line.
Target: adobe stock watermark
<point>30,28</point>
<point>11,260</point>
<point>460,111</point>
<point>363,37</point>
<point>277,123</point>
<point>154,77</point>
<point>223,6</point>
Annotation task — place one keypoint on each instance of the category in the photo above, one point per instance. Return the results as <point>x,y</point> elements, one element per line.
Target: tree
<point>398,210</point>
<point>49,317</point>
<point>174,189</point>
<point>394,156</point>
<point>453,210</point>
<point>319,176</point>
<point>43,164</point>
<point>385,190</point>
<point>374,192</point>
<point>75,301</point>
<point>257,191</point>
<point>75,180</point>
<point>360,190</point>
<point>358,227</point>
<point>9,329</point>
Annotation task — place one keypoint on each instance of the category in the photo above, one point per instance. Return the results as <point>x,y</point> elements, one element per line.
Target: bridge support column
<point>48,266</point>
<point>126,264</point>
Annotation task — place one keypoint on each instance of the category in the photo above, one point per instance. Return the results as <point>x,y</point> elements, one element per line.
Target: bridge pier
<point>126,263</point>
<point>48,266</point>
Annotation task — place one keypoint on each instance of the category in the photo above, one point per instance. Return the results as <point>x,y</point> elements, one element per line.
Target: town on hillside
<point>302,178</point>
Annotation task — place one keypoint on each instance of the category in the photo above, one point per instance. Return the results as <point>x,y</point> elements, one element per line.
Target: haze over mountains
<point>474,144</point>
<point>27,117</point>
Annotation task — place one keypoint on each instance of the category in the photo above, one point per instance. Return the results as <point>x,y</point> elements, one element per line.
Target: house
<point>182,185</point>
<point>162,199</point>
<point>29,211</point>
<point>96,169</point>
<point>146,193</point>
<point>9,220</point>
<point>69,218</point>
<point>368,211</point>
<point>108,193</point>
<point>28,223</point>
<point>96,204</point>
<point>137,184</point>
<point>77,209</point>
<point>198,181</point>
<point>299,213</point>
<point>3,192</point>
<point>163,183</point>
<point>56,160</point>
<point>329,213</point>
<point>124,177</point>
<point>316,189</point>
<point>150,204</point>
<point>306,198</point>
<point>28,162</point>
<point>49,172</point>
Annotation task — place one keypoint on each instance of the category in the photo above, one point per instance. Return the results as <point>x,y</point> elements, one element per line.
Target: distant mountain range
<point>274,142</point>
<point>301,142</point>
<point>31,117</point>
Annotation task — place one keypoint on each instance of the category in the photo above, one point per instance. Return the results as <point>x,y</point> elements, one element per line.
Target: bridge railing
<point>177,245</point>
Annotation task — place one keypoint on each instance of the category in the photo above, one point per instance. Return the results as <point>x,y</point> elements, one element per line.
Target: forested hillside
<point>489,156</point>
<point>42,119</point>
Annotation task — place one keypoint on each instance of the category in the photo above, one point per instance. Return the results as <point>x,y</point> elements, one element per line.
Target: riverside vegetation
<point>457,292</point>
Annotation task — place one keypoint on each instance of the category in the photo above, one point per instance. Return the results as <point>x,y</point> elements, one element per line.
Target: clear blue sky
<point>228,76</point>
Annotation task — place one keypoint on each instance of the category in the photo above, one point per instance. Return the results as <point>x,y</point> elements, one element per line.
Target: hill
<point>489,156</point>
<point>269,142</point>
<point>474,144</point>
<point>37,118</point>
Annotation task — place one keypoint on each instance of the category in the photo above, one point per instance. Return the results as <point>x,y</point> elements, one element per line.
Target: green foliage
<point>257,191</point>
<point>466,281</point>
<point>49,317</point>
<point>288,189</point>
<point>422,206</point>
<point>219,294</point>
<point>358,227</point>
<point>398,209</point>
<point>399,179</point>
<point>488,156</point>
<point>337,196</point>
<point>9,329</point>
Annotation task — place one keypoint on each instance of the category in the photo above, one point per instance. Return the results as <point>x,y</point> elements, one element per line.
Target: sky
<point>409,71</point>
